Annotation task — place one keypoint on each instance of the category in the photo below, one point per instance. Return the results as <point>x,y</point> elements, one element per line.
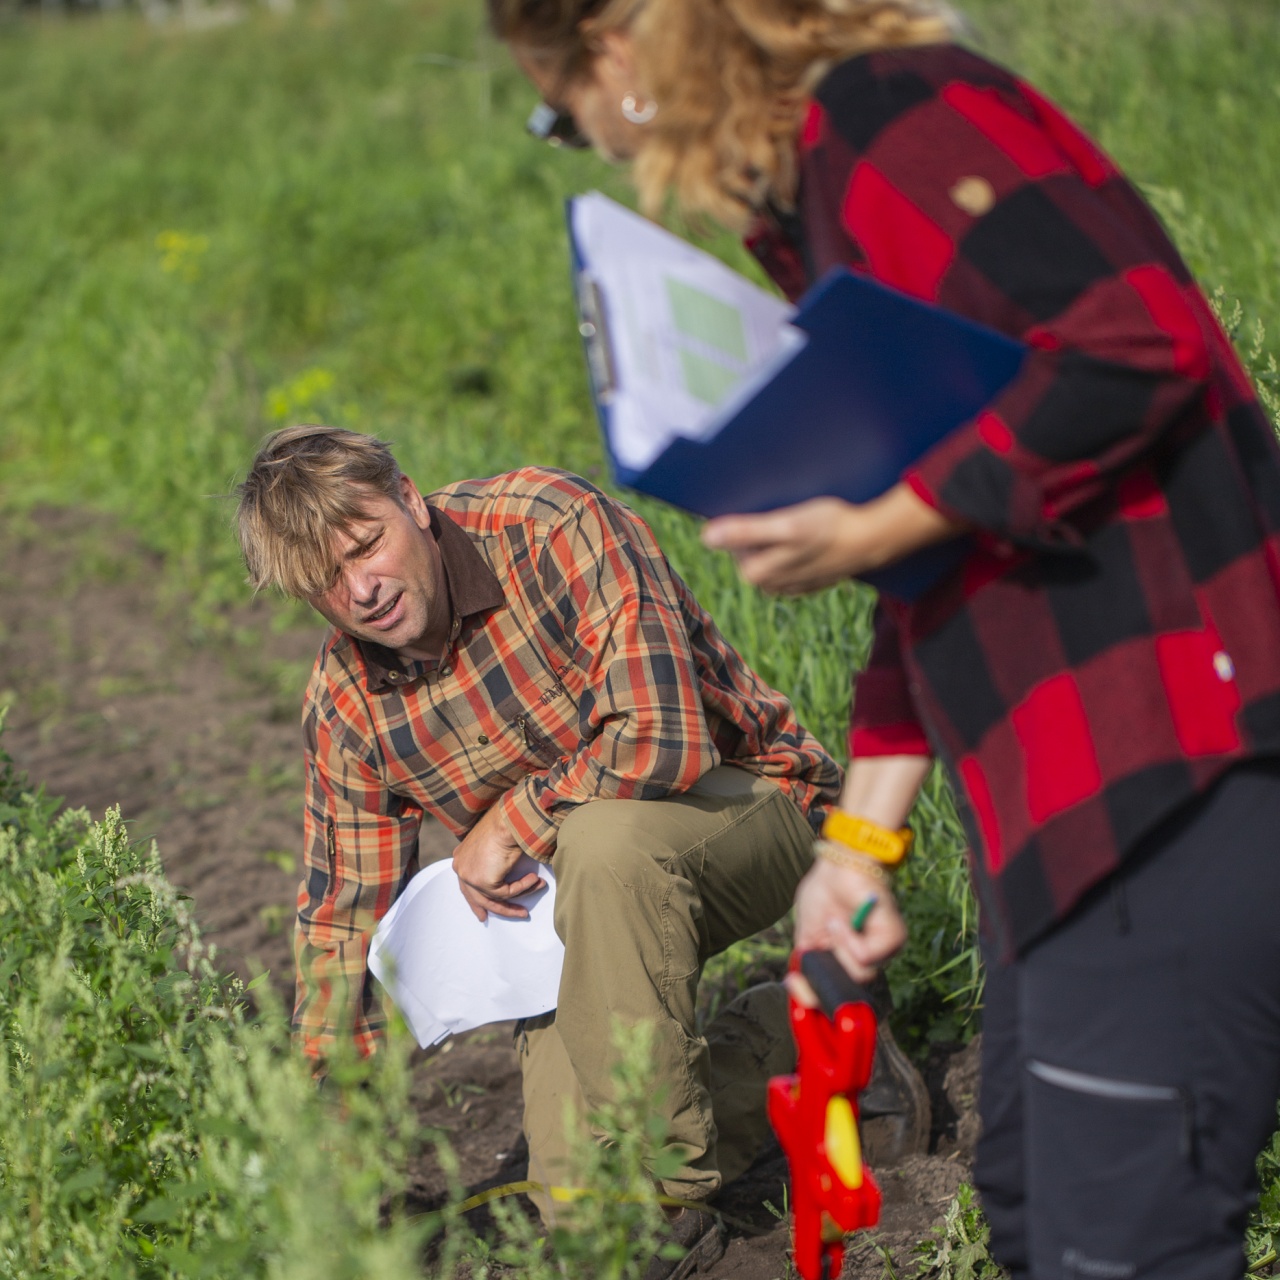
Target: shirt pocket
<point>527,732</point>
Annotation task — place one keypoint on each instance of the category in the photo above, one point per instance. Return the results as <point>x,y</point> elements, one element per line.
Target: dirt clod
<point>960,1084</point>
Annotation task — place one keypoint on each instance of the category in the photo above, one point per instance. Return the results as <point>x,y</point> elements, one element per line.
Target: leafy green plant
<point>147,1128</point>
<point>956,1250</point>
<point>613,1226</point>
<point>1257,357</point>
<point>1262,1237</point>
<point>608,1221</point>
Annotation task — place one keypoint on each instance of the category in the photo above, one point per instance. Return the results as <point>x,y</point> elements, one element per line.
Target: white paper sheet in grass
<point>448,972</point>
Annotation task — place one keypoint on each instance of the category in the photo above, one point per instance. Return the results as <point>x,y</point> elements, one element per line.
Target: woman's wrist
<point>858,879</point>
<point>887,845</point>
<point>896,524</point>
<point>882,789</point>
<point>864,864</point>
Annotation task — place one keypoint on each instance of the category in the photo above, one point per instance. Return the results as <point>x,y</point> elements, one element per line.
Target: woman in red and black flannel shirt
<point>1101,676</point>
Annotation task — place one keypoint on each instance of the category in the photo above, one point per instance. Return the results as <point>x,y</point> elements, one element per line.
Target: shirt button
<point>393,675</point>
<point>1222,664</point>
<point>446,669</point>
<point>974,195</point>
<point>483,740</point>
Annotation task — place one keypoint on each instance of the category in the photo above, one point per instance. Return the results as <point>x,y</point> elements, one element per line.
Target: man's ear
<point>415,504</point>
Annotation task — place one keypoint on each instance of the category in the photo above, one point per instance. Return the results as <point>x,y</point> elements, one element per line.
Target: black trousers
<point>1131,1059</point>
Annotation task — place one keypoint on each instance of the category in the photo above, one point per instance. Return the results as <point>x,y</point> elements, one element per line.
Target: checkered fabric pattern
<point>1112,644</point>
<point>579,668</point>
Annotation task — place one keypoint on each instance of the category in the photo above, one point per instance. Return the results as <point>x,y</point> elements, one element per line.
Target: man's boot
<point>699,1233</point>
<point>751,1040</point>
<point>896,1115</point>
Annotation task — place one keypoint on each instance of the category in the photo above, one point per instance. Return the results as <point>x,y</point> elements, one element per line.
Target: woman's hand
<point>827,899</point>
<point>813,544</point>
<point>881,789</point>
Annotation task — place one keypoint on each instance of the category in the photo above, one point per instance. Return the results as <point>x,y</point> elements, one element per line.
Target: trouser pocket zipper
<point>1122,1091</point>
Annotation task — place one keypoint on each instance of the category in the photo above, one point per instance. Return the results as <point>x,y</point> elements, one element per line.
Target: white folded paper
<point>448,972</point>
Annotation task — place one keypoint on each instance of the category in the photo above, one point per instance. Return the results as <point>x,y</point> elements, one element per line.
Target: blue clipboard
<point>882,378</point>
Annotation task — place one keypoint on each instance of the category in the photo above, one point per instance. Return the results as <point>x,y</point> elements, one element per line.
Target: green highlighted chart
<point>674,336</point>
<point>716,360</point>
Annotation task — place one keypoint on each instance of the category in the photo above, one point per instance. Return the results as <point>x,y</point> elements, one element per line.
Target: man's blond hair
<point>307,484</point>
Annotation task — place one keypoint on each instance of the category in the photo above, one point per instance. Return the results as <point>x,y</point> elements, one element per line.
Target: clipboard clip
<point>595,339</point>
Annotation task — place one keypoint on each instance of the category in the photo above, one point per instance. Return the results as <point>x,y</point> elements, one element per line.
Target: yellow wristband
<point>889,847</point>
<point>852,860</point>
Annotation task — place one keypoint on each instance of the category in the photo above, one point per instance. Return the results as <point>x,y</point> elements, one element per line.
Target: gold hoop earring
<point>638,115</point>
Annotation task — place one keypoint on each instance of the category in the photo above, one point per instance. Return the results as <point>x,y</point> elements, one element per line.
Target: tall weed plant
<point>148,1127</point>
<point>151,1128</point>
<point>608,1223</point>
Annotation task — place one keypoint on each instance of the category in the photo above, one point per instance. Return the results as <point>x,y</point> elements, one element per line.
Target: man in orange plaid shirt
<point>515,657</point>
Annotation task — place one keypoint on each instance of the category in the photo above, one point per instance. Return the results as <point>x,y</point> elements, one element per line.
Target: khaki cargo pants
<point>646,892</point>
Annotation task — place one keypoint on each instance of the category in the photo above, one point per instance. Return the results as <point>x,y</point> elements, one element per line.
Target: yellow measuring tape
<point>563,1194</point>
<point>566,1195</point>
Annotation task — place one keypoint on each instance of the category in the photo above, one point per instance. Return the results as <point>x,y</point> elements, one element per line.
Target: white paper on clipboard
<point>690,340</point>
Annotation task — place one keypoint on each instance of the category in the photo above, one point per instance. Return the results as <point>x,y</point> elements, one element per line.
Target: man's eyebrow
<point>365,545</point>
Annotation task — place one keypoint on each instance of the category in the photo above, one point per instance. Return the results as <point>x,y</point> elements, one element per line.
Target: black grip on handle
<point>830,983</point>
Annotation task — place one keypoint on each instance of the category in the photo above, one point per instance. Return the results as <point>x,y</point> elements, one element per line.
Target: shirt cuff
<point>969,480</point>
<point>904,739</point>
<point>535,830</point>
<point>916,483</point>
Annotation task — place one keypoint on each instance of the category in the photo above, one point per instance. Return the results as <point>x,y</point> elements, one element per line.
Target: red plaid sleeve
<point>884,721</point>
<point>361,847</point>
<point>644,728</point>
<point>1104,378</point>
<point>967,189</point>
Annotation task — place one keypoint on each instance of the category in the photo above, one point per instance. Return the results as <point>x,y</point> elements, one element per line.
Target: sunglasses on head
<point>554,126</point>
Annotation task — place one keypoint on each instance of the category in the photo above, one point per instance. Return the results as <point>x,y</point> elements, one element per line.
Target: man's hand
<point>484,860</point>
<point>825,540</point>
<point>825,902</point>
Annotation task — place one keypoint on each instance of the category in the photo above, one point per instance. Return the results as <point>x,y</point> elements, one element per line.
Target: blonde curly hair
<point>731,79</point>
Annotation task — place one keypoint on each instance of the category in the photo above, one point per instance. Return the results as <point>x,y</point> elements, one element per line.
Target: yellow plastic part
<point>889,847</point>
<point>843,1148</point>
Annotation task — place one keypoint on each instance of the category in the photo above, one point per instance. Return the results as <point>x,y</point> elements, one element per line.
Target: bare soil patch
<point>114,702</point>
<point>199,743</point>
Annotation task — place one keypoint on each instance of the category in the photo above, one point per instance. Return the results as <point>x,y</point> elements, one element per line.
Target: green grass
<point>320,216</point>
<point>203,235</point>
<point>147,1128</point>
<point>1186,96</point>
